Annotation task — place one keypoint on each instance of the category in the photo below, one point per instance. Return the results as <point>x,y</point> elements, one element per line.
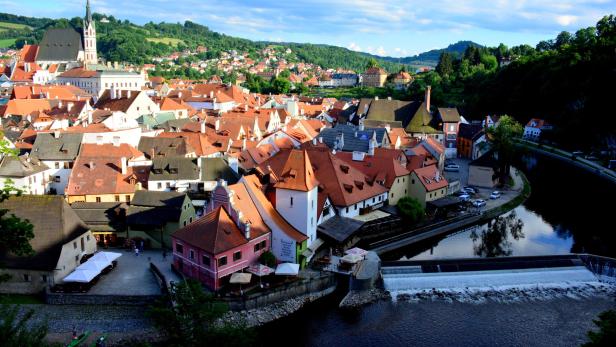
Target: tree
<point>301,88</point>
<point>267,258</point>
<point>411,209</point>
<point>194,319</point>
<point>564,38</point>
<point>372,63</point>
<point>281,85</point>
<point>445,65</point>
<point>502,138</point>
<point>494,241</point>
<point>606,336</point>
<point>17,330</point>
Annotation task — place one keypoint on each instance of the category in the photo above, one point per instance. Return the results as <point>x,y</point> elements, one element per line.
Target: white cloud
<point>566,20</point>
<point>381,51</point>
<point>354,47</point>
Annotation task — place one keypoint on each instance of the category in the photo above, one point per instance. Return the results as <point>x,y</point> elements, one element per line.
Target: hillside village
<point>208,170</point>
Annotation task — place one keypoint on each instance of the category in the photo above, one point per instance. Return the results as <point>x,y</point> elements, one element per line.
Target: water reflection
<point>494,240</point>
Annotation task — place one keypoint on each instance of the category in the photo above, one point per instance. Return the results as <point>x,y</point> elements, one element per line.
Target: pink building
<point>220,243</point>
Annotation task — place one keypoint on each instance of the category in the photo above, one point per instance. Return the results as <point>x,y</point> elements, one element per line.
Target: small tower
<point>89,38</point>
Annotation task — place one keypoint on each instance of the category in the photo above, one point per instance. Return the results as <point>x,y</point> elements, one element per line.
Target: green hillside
<point>125,41</point>
<point>431,57</point>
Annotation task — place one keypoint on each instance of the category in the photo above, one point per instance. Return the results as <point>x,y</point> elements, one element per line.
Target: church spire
<point>88,13</point>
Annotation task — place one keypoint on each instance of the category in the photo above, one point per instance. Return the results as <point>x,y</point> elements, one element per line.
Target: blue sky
<point>384,27</point>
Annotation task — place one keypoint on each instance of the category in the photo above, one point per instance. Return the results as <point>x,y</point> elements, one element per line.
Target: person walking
<point>136,251</point>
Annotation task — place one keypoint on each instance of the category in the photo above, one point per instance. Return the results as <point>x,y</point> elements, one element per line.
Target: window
<point>192,255</point>
<point>413,181</point>
<point>57,165</point>
<point>27,278</point>
<point>44,278</point>
<point>237,256</point>
<point>291,201</point>
<point>98,199</point>
<point>87,237</point>
<point>117,198</point>
<point>159,185</point>
<point>222,261</point>
<point>355,207</point>
<point>127,198</point>
<point>205,260</point>
<point>263,244</point>
<point>347,210</point>
<point>76,258</point>
<point>74,244</point>
<point>57,179</point>
<point>83,244</point>
<point>257,247</point>
<point>68,165</point>
<point>312,221</point>
<point>179,248</point>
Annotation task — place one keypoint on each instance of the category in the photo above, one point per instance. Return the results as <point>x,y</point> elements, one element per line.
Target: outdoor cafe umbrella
<point>107,256</point>
<point>351,258</point>
<point>81,276</point>
<point>240,278</point>
<point>287,269</point>
<point>94,265</point>
<point>357,251</point>
<point>260,270</point>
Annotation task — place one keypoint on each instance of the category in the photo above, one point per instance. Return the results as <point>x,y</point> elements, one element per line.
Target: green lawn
<point>6,43</point>
<point>166,40</point>
<point>8,25</point>
<point>20,299</point>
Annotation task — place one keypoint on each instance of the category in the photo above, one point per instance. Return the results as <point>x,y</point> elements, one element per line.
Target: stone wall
<point>88,299</point>
<point>300,288</point>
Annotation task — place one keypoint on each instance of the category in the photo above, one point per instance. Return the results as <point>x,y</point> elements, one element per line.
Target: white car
<point>495,195</point>
<point>479,203</point>
<point>465,197</point>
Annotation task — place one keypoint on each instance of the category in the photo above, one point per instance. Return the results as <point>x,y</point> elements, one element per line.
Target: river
<point>569,210</point>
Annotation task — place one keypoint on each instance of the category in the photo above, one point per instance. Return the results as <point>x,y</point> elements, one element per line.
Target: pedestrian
<point>141,245</point>
<point>74,333</point>
<point>136,251</point>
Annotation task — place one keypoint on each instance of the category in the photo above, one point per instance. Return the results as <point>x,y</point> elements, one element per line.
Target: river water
<point>569,210</point>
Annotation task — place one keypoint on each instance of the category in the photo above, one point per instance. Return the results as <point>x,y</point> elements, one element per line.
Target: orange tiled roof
<point>297,173</point>
<point>431,178</point>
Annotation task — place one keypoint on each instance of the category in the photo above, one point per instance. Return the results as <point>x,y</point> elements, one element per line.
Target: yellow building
<point>427,184</point>
<point>374,77</point>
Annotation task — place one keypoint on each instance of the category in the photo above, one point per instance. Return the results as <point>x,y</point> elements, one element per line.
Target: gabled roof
<point>60,45</point>
<point>49,147</point>
<point>122,103</point>
<point>449,115</point>
<point>55,224</point>
<point>19,167</point>
<point>150,208</point>
<point>430,177</point>
<point>297,173</point>
<point>214,233</point>
<point>217,168</point>
<point>153,147</point>
<point>360,143</point>
<point>422,121</point>
<point>174,168</point>
<point>28,53</point>
<point>385,165</point>
<point>102,216</point>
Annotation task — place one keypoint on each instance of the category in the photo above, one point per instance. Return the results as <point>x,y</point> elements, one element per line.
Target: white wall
<point>303,213</point>
<point>128,136</point>
<point>61,172</point>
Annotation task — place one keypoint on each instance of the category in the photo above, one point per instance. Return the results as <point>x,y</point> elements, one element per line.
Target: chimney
<point>92,166</point>
<point>60,104</point>
<point>128,94</point>
<point>211,94</point>
<point>124,165</point>
<point>217,124</point>
<point>321,139</point>
<point>203,127</point>
<point>428,91</point>
<point>246,108</point>
<point>389,98</point>
<point>314,141</point>
<point>376,98</point>
<point>69,106</point>
<point>179,95</point>
<point>90,117</point>
<point>56,134</point>
<point>247,230</point>
<point>361,125</point>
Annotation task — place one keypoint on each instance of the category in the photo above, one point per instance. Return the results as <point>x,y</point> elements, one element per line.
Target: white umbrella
<point>240,278</point>
<point>94,265</point>
<point>260,270</point>
<point>81,276</point>
<point>287,269</point>
<point>357,251</point>
<point>351,258</point>
<point>108,256</point>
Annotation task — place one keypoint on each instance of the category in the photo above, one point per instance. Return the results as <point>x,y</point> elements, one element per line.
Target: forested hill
<point>430,58</point>
<point>121,40</point>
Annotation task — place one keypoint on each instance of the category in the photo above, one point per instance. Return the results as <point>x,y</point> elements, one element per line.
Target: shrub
<point>411,209</point>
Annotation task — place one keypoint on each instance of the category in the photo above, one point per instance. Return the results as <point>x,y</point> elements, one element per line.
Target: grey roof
<point>486,160</point>
<point>174,168</point>
<point>175,125</point>
<point>19,167</point>
<point>339,228</point>
<point>102,216</point>
<point>352,143</point>
<point>63,147</point>
<point>11,135</point>
<point>214,168</point>
<point>154,147</point>
<point>55,224</point>
<point>60,45</point>
<point>154,209</point>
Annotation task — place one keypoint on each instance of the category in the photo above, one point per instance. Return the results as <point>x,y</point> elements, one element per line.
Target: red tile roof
<point>431,178</point>
<point>214,233</point>
<point>297,173</point>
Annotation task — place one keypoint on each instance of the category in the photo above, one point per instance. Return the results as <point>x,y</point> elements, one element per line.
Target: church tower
<point>89,38</point>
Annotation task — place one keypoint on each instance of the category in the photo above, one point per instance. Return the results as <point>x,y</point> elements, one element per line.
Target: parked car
<point>452,167</point>
<point>465,197</point>
<point>495,195</point>
<point>578,153</point>
<point>469,190</point>
<point>479,203</point>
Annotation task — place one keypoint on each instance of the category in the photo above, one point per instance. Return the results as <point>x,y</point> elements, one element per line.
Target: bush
<point>411,209</point>
<point>268,258</point>
<point>606,336</point>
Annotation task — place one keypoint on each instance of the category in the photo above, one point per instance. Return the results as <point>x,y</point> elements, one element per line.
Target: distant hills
<point>120,40</point>
<point>430,58</point>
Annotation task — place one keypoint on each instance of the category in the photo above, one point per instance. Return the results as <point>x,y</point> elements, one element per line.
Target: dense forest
<point>127,42</point>
<point>431,58</point>
<point>568,81</point>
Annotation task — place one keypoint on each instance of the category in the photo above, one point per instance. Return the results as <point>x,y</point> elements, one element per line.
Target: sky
<point>385,27</point>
